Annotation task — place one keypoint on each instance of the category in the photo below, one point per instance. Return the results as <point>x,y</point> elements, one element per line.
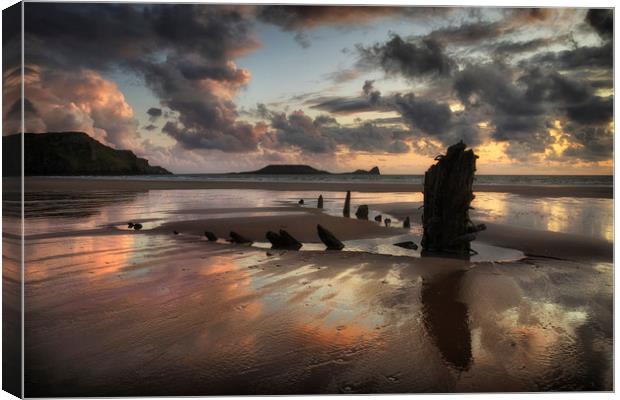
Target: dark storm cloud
<point>299,131</point>
<point>595,110</point>
<point>596,143</point>
<point>324,134</point>
<point>369,100</point>
<point>467,33</point>
<point>574,98</point>
<point>602,20</point>
<point>298,17</point>
<point>426,115</point>
<point>125,32</point>
<point>492,84</point>
<point>171,46</point>
<point>512,48</point>
<point>423,116</point>
<point>344,105</point>
<point>523,109</point>
<point>154,112</point>
<point>581,57</point>
<point>474,32</point>
<point>425,58</point>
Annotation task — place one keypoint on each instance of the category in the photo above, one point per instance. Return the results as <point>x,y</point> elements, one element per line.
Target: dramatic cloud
<point>183,52</point>
<point>296,17</point>
<point>538,81</point>
<point>323,134</point>
<point>581,57</point>
<point>409,59</point>
<point>602,21</point>
<point>79,101</point>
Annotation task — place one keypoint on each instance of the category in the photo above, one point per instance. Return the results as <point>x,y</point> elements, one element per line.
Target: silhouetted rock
<point>407,223</point>
<point>301,202</point>
<point>300,169</point>
<point>387,222</point>
<point>329,239</point>
<point>407,245</point>
<point>211,236</point>
<point>237,238</point>
<point>372,171</point>
<point>362,212</point>
<point>346,211</point>
<point>137,227</point>
<point>130,225</point>
<point>175,232</point>
<point>378,218</point>
<point>319,203</point>
<point>287,169</point>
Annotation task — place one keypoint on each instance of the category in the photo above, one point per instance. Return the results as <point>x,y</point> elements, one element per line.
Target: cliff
<point>70,153</point>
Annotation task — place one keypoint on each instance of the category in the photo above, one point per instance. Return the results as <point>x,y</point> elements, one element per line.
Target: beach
<point>112,311</point>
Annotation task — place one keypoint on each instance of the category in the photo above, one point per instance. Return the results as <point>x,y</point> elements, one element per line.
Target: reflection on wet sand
<point>588,217</point>
<point>148,313</point>
<point>446,318</point>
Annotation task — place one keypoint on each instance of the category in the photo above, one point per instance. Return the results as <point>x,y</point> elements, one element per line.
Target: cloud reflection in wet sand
<point>147,314</point>
<point>123,315</point>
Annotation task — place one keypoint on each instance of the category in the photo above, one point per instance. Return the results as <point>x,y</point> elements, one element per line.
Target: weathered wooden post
<point>447,197</point>
<point>319,203</point>
<point>346,211</point>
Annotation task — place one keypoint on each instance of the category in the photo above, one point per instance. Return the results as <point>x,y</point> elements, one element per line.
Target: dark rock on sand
<point>137,227</point>
<point>301,202</point>
<point>378,218</point>
<point>319,203</point>
<point>346,211</point>
<point>387,222</point>
<point>362,212</point>
<point>407,223</point>
<point>237,238</point>
<point>211,236</point>
<point>329,239</point>
<point>175,232</point>
<point>283,240</point>
<point>130,225</point>
<point>407,245</point>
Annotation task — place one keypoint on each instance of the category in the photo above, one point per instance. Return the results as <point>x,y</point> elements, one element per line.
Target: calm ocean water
<point>526,180</point>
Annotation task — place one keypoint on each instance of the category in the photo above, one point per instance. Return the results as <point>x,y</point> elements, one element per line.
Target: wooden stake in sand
<point>346,211</point>
<point>329,239</point>
<point>447,197</point>
<point>319,203</point>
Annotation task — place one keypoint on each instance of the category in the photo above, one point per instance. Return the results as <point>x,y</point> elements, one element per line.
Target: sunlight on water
<point>51,212</point>
<point>588,217</point>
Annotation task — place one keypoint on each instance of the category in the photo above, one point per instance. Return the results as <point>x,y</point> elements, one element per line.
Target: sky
<point>200,88</point>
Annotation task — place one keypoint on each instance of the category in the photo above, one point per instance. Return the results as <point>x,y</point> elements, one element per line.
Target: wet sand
<point>110,311</point>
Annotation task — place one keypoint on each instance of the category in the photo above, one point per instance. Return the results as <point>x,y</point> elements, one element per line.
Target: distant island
<point>70,153</point>
<point>300,169</point>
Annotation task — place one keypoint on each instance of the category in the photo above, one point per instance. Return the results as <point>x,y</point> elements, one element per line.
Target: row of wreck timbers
<point>448,193</point>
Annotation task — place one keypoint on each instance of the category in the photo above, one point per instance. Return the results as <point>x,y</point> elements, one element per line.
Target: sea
<point>522,180</point>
